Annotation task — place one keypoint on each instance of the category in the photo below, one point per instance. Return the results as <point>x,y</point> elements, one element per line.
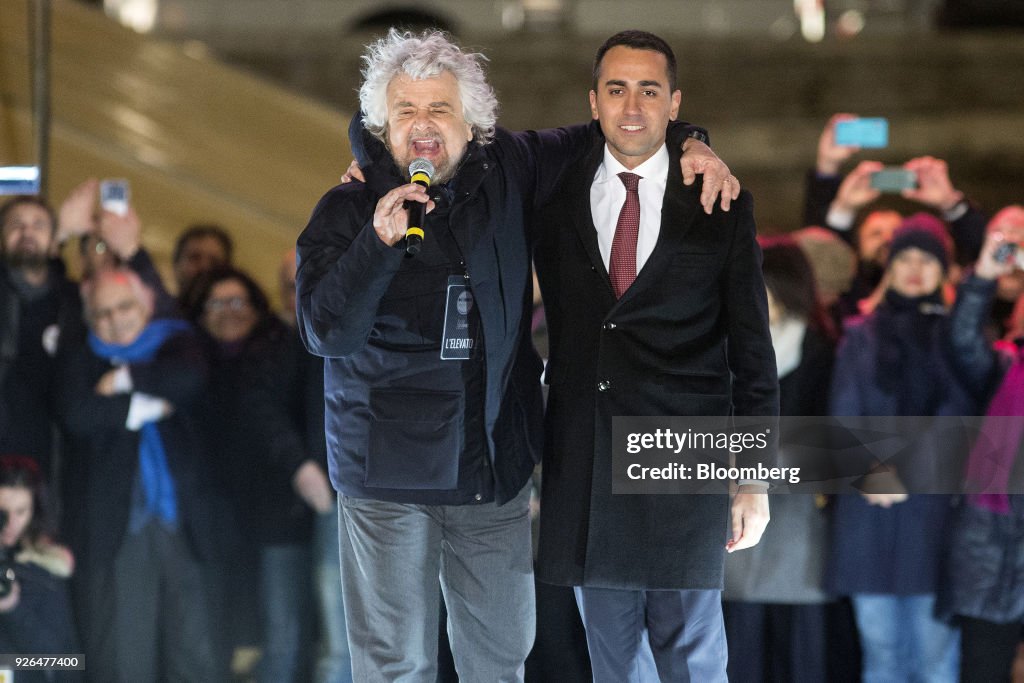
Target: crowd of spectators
<point>190,512</point>
<point>918,318</point>
<point>183,438</point>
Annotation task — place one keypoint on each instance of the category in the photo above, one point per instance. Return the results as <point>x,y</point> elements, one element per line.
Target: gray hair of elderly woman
<point>425,56</point>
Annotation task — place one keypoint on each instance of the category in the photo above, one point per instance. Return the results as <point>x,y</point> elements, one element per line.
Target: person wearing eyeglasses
<point>267,465</point>
<point>127,398</point>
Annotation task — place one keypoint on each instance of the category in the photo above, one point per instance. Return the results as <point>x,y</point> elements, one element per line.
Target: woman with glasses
<point>255,424</point>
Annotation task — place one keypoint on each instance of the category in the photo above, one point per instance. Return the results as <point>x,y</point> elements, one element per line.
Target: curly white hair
<point>425,56</point>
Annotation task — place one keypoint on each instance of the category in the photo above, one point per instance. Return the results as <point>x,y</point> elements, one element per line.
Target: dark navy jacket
<point>397,423</point>
<point>42,622</point>
<point>27,367</point>
<point>896,550</point>
<point>108,453</point>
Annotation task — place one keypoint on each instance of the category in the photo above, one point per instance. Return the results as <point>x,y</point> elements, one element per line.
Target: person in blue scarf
<point>144,525</point>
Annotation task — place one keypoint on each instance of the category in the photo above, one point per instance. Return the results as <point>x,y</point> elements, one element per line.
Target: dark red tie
<point>622,266</point>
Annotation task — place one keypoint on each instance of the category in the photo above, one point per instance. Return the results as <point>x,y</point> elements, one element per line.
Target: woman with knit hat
<point>887,545</point>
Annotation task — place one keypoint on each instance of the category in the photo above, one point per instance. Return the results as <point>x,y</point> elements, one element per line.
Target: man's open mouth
<point>425,146</point>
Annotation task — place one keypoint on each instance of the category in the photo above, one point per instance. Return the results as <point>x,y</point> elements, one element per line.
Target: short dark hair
<point>199,292</point>
<point>638,40</point>
<point>199,231</point>
<point>34,200</point>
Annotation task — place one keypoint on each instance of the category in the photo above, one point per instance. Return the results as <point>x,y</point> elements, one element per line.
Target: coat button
<point>610,326</point>
<point>604,385</point>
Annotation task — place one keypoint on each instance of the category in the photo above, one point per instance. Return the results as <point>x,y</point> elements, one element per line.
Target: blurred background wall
<point>198,140</point>
<point>235,110</point>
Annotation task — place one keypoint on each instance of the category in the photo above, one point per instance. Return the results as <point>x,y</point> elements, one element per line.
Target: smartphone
<point>893,180</point>
<point>19,180</point>
<point>1008,252</point>
<point>864,133</point>
<point>114,195</point>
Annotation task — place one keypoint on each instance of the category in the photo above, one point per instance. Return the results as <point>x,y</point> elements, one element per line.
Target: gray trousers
<point>147,618</point>
<point>392,556</point>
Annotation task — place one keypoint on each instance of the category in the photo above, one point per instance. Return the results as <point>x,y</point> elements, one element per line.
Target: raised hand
<point>830,155</point>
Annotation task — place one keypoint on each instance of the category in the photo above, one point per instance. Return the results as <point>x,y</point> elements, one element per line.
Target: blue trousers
<point>287,613</point>
<point>637,636</point>
<point>903,641</point>
<point>335,663</point>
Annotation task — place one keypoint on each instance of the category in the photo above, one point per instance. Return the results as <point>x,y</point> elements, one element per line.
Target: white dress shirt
<point>607,194</point>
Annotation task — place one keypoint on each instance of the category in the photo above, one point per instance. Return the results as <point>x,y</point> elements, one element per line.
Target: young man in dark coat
<point>688,337</point>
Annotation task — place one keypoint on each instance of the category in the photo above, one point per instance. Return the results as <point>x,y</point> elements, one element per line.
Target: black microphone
<point>421,171</point>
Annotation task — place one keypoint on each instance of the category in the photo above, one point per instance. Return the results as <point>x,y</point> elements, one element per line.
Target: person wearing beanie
<point>887,546</point>
<point>923,232</point>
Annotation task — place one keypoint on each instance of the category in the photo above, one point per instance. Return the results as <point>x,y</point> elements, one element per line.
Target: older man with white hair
<point>126,398</point>
<point>432,393</point>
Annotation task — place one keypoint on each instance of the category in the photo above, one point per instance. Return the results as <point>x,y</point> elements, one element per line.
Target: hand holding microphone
<point>401,211</point>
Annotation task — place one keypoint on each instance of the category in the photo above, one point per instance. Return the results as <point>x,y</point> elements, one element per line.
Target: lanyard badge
<point>459,341</point>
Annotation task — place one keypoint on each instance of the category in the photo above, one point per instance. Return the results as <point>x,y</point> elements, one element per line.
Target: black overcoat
<point>689,337</point>
<point>107,453</point>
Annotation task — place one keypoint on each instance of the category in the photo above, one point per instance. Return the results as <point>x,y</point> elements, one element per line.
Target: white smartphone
<point>114,195</point>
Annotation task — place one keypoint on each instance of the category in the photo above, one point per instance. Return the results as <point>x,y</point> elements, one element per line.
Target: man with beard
<point>38,307</point>
<point>431,381</point>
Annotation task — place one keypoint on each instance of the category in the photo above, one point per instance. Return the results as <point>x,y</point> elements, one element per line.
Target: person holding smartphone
<point>982,584</point>
<point>39,308</point>
<point>35,605</point>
